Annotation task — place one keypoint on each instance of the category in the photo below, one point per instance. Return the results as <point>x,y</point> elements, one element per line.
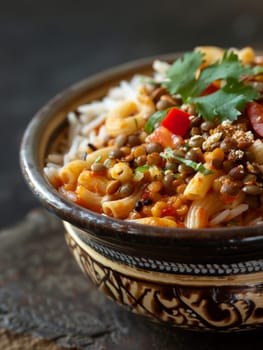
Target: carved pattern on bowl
<point>201,304</point>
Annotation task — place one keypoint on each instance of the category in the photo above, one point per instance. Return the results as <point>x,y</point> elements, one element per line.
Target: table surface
<point>47,303</point>
<point>45,47</point>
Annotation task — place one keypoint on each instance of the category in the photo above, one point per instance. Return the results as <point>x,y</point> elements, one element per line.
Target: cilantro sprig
<point>170,154</point>
<point>184,78</point>
<point>181,76</point>
<point>226,103</point>
<point>155,119</point>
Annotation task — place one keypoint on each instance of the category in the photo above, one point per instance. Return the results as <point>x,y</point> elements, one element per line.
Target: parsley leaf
<point>226,103</point>
<point>181,76</point>
<point>157,117</point>
<point>257,70</point>
<point>229,67</point>
<point>168,154</point>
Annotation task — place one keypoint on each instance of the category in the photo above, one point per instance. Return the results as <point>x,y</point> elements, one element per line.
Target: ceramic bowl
<point>209,279</point>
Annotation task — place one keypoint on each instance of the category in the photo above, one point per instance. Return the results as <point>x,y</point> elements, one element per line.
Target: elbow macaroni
<point>144,182</point>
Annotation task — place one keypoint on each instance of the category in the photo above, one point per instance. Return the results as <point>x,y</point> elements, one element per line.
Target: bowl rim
<point>84,218</point>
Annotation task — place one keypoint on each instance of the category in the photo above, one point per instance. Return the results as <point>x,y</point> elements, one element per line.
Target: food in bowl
<point>182,148</point>
<point>201,279</point>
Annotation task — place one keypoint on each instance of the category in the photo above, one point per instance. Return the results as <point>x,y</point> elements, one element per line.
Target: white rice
<point>90,116</point>
<point>229,214</point>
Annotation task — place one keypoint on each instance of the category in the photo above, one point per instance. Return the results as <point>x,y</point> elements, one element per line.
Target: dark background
<point>47,45</point>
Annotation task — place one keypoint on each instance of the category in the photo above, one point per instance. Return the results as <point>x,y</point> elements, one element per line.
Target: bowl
<point>205,280</point>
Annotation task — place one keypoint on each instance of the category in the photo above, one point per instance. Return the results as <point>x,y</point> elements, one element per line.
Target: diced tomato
<point>210,89</point>
<point>165,138</point>
<point>177,121</point>
<point>255,116</point>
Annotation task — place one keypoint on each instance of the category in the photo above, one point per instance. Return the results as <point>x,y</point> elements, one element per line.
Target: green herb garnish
<point>181,76</point>
<point>169,154</point>
<point>142,168</point>
<point>98,159</point>
<point>229,68</point>
<point>226,103</point>
<point>157,117</point>
<point>139,172</point>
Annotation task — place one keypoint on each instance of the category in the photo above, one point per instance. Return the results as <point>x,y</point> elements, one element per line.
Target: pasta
<point>199,185</point>
<point>201,211</point>
<point>182,148</point>
<point>121,208</point>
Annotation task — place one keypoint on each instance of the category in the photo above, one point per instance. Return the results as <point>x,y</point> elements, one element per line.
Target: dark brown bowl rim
<point>101,225</point>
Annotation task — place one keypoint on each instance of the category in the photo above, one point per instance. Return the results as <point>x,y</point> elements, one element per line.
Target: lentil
<point>237,173</point>
<point>228,144</point>
<point>121,140</point>
<point>157,93</point>
<point>192,155</point>
<point>164,103</point>
<point>133,140</point>
<point>230,188</point>
<point>184,169</point>
<point>253,201</point>
<point>140,160</point>
<point>217,163</point>
<point>228,165</point>
<point>113,186</point>
<point>125,189</point>
<point>98,168</point>
<point>194,131</point>
<point>252,190</point>
<point>196,141</point>
<point>125,150</point>
<point>207,125</point>
<point>169,165</point>
<point>116,154</point>
<point>154,147</point>
<point>154,159</point>
<point>195,120</point>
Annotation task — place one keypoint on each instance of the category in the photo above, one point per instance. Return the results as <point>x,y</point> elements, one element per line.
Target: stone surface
<point>46,302</point>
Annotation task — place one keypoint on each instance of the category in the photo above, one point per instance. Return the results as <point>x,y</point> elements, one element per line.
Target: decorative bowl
<point>207,280</point>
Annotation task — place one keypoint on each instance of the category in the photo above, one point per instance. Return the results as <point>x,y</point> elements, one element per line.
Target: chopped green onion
<point>157,117</point>
<point>98,159</point>
<point>142,168</point>
<point>168,154</point>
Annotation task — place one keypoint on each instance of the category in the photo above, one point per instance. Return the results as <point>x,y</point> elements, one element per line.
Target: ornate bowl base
<point>205,303</point>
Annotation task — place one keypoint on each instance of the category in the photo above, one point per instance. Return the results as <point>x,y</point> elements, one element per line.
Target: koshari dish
<point>182,148</point>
